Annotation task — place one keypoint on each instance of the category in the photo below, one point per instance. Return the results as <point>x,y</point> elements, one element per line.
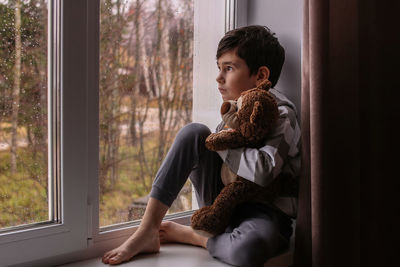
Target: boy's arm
<point>262,165</point>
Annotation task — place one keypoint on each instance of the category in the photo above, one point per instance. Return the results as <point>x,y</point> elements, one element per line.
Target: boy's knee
<point>251,252</point>
<point>251,249</point>
<point>193,131</point>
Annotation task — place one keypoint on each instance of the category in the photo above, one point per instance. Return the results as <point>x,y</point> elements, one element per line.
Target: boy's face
<point>234,76</point>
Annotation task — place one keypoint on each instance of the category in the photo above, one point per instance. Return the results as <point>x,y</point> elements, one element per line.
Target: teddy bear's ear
<point>265,85</point>
<point>257,113</point>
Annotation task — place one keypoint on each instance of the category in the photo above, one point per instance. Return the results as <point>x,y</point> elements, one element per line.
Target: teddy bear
<point>248,122</point>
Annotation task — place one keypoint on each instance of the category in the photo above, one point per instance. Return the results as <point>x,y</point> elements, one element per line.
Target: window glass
<point>146,63</point>
<point>23,113</point>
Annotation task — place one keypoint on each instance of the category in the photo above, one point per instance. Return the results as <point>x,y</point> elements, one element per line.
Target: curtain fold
<point>347,200</point>
<point>329,191</point>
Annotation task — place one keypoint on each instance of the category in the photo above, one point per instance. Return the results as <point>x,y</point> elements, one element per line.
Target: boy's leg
<point>144,240</point>
<point>188,157</point>
<point>187,153</point>
<point>256,234</point>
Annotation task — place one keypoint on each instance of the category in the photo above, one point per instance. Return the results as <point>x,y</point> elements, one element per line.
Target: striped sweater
<point>280,154</point>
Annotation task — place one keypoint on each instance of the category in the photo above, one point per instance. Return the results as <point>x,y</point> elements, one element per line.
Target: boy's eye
<point>225,68</point>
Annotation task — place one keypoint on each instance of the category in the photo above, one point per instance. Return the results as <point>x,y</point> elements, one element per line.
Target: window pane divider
<point>54,107</point>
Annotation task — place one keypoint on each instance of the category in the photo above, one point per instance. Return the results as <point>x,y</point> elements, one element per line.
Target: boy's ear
<point>262,74</point>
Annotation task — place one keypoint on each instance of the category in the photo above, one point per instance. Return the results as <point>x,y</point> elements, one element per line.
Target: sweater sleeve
<point>264,164</point>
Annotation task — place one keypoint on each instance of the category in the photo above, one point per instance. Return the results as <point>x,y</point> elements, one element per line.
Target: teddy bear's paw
<point>207,220</point>
<point>225,139</point>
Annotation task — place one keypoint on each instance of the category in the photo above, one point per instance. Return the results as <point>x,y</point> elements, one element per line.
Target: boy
<point>246,57</point>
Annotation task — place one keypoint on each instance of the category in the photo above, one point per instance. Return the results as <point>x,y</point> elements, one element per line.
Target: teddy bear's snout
<point>228,106</point>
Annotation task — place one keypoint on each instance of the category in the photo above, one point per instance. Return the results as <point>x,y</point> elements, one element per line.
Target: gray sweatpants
<point>256,233</point>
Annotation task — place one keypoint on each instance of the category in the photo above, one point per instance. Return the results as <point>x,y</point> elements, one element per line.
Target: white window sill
<point>178,255</point>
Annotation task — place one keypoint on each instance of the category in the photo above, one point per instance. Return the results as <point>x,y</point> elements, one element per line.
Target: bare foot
<point>173,232</point>
<point>140,242</point>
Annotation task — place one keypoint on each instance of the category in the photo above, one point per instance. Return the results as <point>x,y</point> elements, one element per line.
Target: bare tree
<point>113,24</point>
<point>140,95</point>
<point>16,88</point>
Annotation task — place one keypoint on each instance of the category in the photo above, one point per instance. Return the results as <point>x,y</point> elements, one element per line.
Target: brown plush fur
<point>252,124</point>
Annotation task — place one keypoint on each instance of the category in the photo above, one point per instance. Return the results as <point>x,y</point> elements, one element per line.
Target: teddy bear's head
<point>254,114</point>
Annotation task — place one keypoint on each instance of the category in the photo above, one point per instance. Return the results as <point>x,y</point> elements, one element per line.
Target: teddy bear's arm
<point>226,139</point>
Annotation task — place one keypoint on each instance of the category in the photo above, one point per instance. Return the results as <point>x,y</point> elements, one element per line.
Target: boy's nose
<point>219,78</point>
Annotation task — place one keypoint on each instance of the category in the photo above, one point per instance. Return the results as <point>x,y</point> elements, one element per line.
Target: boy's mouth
<point>221,90</point>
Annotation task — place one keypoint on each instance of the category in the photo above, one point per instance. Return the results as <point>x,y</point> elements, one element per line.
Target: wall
<point>284,17</point>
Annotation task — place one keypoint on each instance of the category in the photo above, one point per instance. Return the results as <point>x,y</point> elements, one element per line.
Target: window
<point>74,125</point>
<point>23,114</point>
<point>146,66</point>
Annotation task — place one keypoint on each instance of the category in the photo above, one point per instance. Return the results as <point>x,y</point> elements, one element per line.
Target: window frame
<point>45,240</point>
<point>78,236</point>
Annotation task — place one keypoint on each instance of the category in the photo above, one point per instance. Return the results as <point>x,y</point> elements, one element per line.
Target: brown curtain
<point>350,74</point>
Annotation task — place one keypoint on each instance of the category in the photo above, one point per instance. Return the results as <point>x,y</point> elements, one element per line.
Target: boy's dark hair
<point>257,46</point>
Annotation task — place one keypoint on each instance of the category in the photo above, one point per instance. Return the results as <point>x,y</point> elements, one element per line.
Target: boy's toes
<point>107,256</point>
<point>115,260</point>
<point>118,258</point>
